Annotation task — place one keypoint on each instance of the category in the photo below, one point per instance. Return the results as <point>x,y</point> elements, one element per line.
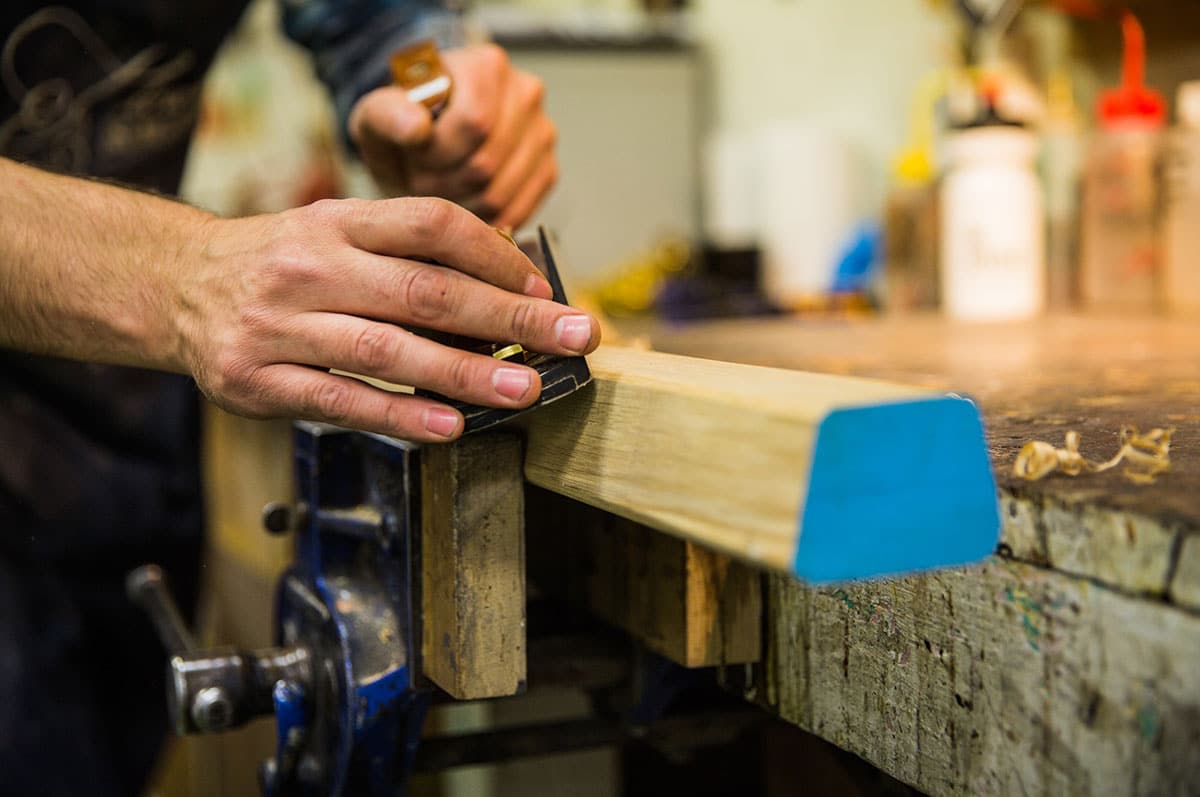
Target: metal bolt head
<point>277,517</point>
<point>212,710</point>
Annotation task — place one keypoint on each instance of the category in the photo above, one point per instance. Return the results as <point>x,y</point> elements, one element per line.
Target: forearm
<point>87,270</point>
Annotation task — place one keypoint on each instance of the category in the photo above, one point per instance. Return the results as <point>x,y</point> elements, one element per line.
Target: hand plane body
<point>561,376</point>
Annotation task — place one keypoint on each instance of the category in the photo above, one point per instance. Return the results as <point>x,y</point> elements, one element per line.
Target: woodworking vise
<point>342,679</point>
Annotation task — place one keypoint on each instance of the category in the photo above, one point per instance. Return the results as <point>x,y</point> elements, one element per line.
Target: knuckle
<point>551,135</point>
<point>493,56</point>
<point>229,376</point>
<point>396,418</point>
<point>372,349</point>
<point>352,212</point>
<point>288,262</point>
<point>524,321</point>
<point>429,218</point>
<point>460,375</point>
<point>427,292</point>
<point>535,91</point>
<point>477,125</point>
<point>481,170</point>
<point>325,211</point>
<point>255,320</point>
<point>331,400</point>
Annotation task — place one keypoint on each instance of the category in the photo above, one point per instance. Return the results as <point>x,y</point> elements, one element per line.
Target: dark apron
<point>99,466</point>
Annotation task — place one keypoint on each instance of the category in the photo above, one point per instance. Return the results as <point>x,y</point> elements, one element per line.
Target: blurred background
<point>990,159</point>
<point>724,158</point>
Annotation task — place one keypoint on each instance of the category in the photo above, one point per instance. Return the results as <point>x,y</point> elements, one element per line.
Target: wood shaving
<point>1145,457</point>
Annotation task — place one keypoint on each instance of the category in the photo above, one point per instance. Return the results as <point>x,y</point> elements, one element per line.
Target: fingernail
<point>441,421</point>
<point>511,383</point>
<point>573,332</point>
<point>537,287</point>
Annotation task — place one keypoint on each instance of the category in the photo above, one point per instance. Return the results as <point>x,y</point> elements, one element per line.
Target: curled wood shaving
<point>1145,457</point>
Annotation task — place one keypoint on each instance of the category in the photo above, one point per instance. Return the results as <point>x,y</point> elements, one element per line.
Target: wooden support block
<point>473,566</point>
<point>694,606</point>
<point>826,477</point>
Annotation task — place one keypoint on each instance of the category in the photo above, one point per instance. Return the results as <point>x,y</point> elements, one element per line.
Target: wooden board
<point>1000,679</point>
<point>722,454</point>
<point>1034,381</point>
<point>694,606</point>
<point>247,465</point>
<point>473,566</point>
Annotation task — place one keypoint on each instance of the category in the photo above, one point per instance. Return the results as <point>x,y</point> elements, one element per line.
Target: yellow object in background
<point>635,283</point>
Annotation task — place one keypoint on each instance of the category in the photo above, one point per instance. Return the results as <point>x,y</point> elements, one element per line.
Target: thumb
<point>387,113</point>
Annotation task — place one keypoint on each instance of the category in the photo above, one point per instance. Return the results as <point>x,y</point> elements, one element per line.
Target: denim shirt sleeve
<point>351,40</point>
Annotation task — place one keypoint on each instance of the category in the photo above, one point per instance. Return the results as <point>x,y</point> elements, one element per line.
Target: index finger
<point>438,230</point>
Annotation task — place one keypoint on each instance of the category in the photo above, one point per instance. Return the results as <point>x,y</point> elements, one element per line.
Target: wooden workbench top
<point>1070,662</point>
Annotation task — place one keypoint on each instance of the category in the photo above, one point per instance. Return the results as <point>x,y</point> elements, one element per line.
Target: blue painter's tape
<point>897,488</point>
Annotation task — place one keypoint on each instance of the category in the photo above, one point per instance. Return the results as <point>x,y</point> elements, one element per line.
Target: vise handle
<point>219,688</point>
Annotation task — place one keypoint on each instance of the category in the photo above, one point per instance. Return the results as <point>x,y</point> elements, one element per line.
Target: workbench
<point>1069,663</point>
<point>1066,664</point>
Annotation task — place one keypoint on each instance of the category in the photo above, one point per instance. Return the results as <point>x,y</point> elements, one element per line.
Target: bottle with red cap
<point>1120,258</point>
<point>1181,233</point>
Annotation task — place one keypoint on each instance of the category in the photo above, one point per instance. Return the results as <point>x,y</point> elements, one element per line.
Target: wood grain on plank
<point>713,452</point>
<point>473,566</point>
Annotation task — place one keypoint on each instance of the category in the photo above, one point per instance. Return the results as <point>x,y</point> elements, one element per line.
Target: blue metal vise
<point>341,680</point>
<point>349,600</point>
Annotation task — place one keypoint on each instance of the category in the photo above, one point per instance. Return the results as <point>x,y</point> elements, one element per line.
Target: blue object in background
<point>856,266</point>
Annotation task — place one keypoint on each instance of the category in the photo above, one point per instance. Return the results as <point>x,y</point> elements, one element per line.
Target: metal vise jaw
<point>340,681</point>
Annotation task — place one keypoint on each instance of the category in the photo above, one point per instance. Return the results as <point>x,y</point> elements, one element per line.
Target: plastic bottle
<point>811,200</point>
<point>993,225</point>
<point>1181,251</point>
<point>1120,257</point>
<point>910,241</point>
<point>910,212</point>
<point>1061,161</point>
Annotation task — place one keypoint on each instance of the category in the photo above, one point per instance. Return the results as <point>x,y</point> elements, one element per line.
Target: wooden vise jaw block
<point>692,605</point>
<point>473,566</point>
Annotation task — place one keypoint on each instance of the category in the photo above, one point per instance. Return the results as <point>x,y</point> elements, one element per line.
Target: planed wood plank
<point>999,679</point>
<point>724,455</point>
<point>1034,381</point>
<point>473,566</point>
<point>694,606</point>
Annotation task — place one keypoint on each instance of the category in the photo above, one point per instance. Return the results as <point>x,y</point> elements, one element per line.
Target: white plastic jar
<point>993,226</point>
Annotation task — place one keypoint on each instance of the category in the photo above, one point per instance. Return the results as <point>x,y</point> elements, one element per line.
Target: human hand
<point>267,304</point>
<point>491,150</point>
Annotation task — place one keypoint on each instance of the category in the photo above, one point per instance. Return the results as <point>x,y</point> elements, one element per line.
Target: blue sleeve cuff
<point>352,40</point>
